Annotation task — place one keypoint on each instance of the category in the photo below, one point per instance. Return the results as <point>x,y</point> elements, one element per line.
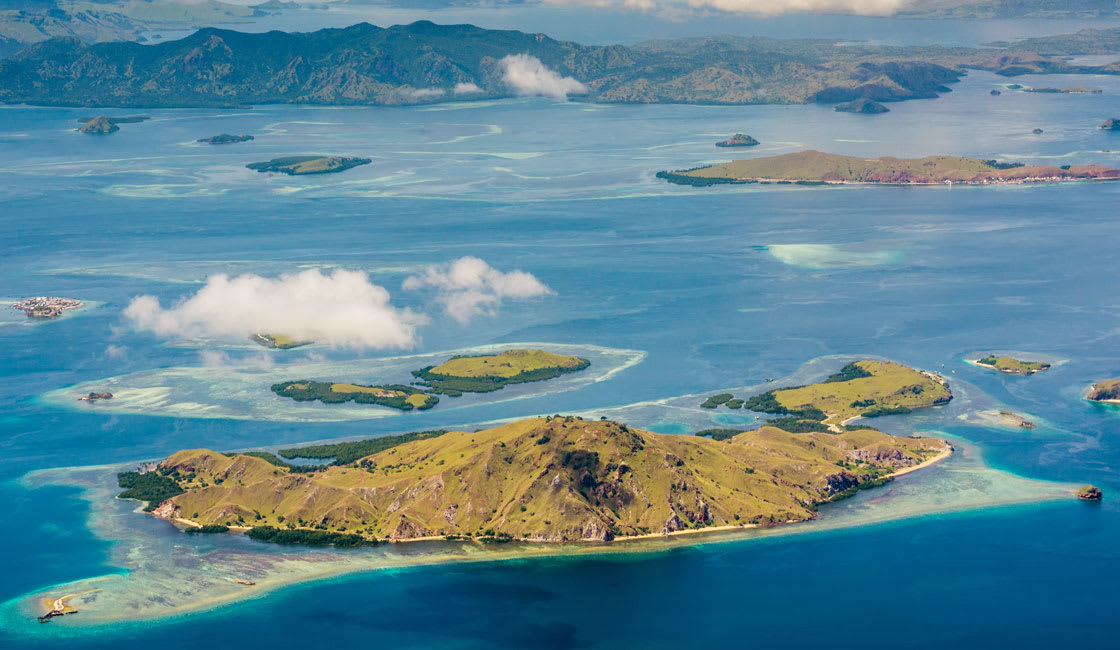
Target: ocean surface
<point>700,289</point>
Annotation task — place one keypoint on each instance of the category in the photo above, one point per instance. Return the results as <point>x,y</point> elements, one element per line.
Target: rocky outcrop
<point>1105,390</point>
<point>738,140</point>
<point>596,530</point>
<point>840,481</point>
<point>1111,124</point>
<point>672,525</point>
<point>1090,493</point>
<point>99,126</point>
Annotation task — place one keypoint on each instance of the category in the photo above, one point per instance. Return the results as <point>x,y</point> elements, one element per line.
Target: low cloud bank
<point>466,88</point>
<point>526,75</point>
<point>470,287</point>
<point>342,309</point>
<point>679,9</point>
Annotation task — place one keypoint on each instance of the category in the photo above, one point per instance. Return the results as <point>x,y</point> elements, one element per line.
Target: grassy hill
<point>819,167</point>
<point>544,479</point>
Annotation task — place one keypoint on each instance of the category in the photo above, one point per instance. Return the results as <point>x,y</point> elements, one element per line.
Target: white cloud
<point>426,93</point>
<point>469,287</point>
<point>466,88</point>
<point>342,309</point>
<point>114,351</point>
<point>526,75</point>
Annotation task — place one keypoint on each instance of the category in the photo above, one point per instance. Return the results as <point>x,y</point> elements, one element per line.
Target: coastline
<point>137,594</point>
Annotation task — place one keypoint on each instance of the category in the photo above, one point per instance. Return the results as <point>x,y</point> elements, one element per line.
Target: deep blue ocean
<point>719,287</point>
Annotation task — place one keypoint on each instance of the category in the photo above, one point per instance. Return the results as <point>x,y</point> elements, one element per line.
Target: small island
<point>404,398</point>
<point>95,397</point>
<point>46,306</point>
<point>1076,90</point>
<point>1012,366</point>
<point>277,341</point>
<point>225,138</point>
<point>818,168</point>
<point>865,389</point>
<point>738,140</point>
<point>1090,493</point>
<point>551,479</point>
<point>103,124</point>
<point>1105,391</point>
<point>489,372</point>
<point>307,165</point>
<point>1111,124</point>
<point>863,106</point>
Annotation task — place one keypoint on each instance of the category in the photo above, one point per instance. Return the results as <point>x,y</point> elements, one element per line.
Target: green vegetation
<point>153,487</point>
<point>817,167</point>
<point>278,341</point>
<point>863,388</point>
<point>489,372</point>
<point>208,529</point>
<point>863,106</point>
<point>738,140</point>
<point>344,453</point>
<point>1013,366</point>
<point>304,165</point>
<point>798,425</point>
<point>715,400</point>
<point>307,537</point>
<point>541,479</point>
<point>226,138</point>
<point>719,434</point>
<point>395,396</point>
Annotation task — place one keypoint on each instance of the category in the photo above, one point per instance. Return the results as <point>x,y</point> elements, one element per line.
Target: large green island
<point>489,372</point>
<point>547,479</point>
<point>818,168</point>
<point>404,398</point>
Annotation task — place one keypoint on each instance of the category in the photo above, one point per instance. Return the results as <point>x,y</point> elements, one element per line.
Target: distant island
<point>738,140</point>
<point>95,397</point>
<point>548,479</point>
<point>1111,124</point>
<point>862,105</point>
<point>404,398</point>
<point>46,306</point>
<point>305,165</point>
<point>225,138</point>
<point>815,167</point>
<point>865,389</point>
<point>349,66</point>
<point>1106,391</point>
<point>489,372</point>
<point>1076,90</point>
<point>103,125</point>
<point>278,341</point>
<point>1090,493</point>
<point>1012,366</point>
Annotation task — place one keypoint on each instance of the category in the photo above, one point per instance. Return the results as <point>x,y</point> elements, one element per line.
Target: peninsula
<point>46,306</point>
<point>404,398</point>
<point>1012,366</point>
<point>489,372</point>
<point>818,168</point>
<point>541,479</point>
<point>305,165</point>
<point>860,389</point>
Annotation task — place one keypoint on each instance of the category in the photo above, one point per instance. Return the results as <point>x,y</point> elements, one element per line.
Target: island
<point>306,165</point>
<point>1111,124</point>
<point>489,372</point>
<point>1076,90</point>
<point>864,389</point>
<point>818,168</point>
<point>544,479</point>
<point>99,126</point>
<point>1090,493</point>
<point>862,105</point>
<point>277,341</point>
<point>404,398</point>
<point>738,140</point>
<point>1012,366</point>
<point>225,138</point>
<point>46,306</point>
<point>1014,419</point>
<point>1105,391</point>
<point>1036,131</point>
<point>95,397</point>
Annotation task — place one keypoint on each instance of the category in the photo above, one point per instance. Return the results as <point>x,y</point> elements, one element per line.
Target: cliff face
<point>547,480</point>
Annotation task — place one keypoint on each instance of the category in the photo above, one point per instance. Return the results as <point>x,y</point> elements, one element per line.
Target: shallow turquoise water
<point>719,287</point>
